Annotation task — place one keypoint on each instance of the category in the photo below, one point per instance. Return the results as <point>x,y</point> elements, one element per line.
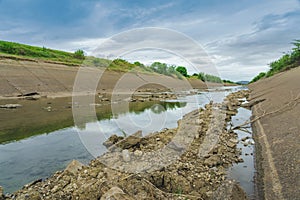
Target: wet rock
<point>73,167</point>
<point>245,138</point>
<point>11,106</point>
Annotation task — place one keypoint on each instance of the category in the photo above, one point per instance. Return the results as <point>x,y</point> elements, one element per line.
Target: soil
<point>277,135</point>
<point>176,163</point>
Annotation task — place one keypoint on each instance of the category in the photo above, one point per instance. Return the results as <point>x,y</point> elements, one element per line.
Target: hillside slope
<point>277,134</point>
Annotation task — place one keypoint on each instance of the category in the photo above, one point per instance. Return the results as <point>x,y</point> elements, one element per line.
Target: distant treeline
<point>286,62</point>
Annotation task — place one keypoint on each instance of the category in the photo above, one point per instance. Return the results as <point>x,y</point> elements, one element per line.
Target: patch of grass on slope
<point>43,53</point>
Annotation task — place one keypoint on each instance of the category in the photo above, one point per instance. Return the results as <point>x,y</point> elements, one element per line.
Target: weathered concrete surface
<point>22,77</point>
<point>277,135</point>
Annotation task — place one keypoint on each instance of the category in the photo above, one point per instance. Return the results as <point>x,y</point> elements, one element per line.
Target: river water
<point>34,143</point>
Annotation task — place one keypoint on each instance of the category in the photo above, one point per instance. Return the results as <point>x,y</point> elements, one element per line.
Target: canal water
<point>36,142</point>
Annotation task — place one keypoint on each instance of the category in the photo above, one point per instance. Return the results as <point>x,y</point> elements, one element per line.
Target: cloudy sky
<point>240,36</point>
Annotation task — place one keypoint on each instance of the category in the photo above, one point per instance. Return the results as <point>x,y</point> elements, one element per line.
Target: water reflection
<point>50,151</point>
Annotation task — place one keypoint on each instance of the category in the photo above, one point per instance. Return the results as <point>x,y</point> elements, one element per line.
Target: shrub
<point>79,54</point>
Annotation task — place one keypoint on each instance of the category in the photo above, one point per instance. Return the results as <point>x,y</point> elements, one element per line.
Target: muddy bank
<point>189,162</point>
<point>276,126</point>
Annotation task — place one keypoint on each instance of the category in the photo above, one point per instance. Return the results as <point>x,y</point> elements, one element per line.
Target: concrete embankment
<point>189,162</point>
<point>23,77</point>
<point>276,126</point>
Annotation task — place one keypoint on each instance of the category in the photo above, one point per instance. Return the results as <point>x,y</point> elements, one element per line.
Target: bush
<point>79,54</point>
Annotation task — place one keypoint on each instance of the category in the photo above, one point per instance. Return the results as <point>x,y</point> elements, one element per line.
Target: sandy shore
<point>277,135</point>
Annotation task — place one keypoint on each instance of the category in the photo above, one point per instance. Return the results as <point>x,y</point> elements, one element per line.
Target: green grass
<point>39,53</point>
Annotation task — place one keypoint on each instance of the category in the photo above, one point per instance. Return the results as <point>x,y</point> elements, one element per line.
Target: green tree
<point>182,70</point>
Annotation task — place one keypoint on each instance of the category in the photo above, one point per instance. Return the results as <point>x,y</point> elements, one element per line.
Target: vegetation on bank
<point>286,62</point>
<point>27,51</point>
<point>18,51</point>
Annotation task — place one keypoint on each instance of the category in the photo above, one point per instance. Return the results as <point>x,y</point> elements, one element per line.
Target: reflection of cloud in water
<point>155,118</point>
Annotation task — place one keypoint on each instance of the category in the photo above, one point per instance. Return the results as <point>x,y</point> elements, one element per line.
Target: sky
<point>240,37</point>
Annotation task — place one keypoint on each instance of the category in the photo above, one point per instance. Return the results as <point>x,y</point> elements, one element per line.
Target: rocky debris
<point>73,167</point>
<point>188,162</point>
<point>147,96</point>
<point>232,143</point>
<point>112,140</point>
<point>115,193</point>
<point>252,103</point>
<point>229,190</point>
<point>10,106</point>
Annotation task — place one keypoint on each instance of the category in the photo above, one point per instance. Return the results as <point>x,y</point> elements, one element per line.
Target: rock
<point>1,194</point>
<point>125,155</point>
<point>213,160</point>
<point>231,143</point>
<point>74,166</point>
<point>34,97</point>
<point>129,142</point>
<point>245,138</point>
<point>11,106</point>
<point>252,103</point>
<point>115,193</point>
<point>229,190</point>
<point>112,140</point>
<point>138,153</point>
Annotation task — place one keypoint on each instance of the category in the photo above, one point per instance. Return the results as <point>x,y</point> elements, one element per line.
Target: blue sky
<point>240,36</point>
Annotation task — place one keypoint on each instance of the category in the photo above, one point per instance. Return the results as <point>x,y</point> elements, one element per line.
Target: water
<point>34,143</point>
<point>244,172</point>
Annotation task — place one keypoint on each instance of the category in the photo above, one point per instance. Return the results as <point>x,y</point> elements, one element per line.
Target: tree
<point>182,70</point>
<point>201,76</point>
<point>79,54</point>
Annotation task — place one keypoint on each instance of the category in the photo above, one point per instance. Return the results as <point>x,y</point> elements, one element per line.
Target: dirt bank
<point>172,164</point>
<point>19,77</point>
<point>277,133</point>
